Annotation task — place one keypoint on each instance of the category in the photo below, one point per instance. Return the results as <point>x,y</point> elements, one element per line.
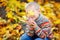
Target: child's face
<point>32,13</point>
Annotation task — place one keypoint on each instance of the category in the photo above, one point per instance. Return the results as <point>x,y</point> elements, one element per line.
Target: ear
<point>38,11</point>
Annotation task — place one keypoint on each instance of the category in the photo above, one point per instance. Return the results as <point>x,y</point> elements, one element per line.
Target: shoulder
<point>43,21</point>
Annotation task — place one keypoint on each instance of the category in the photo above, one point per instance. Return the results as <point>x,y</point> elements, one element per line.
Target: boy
<point>38,26</point>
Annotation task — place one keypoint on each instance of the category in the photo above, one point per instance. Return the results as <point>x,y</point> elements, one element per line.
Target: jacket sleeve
<point>44,31</point>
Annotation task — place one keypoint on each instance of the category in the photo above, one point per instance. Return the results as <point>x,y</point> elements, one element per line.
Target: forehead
<point>32,6</point>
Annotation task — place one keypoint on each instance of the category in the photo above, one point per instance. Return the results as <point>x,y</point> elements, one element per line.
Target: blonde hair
<point>36,6</point>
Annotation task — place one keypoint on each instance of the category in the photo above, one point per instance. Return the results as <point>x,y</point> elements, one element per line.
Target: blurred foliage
<point>14,17</point>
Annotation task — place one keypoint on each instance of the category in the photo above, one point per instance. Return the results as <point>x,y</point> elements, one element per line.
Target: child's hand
<point>42,35</point>
<point>50,36</point>
<point>31,22</point>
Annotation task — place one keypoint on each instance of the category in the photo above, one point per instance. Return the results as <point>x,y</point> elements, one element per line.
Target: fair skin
<point>35,13</point>
<point>32,18</point>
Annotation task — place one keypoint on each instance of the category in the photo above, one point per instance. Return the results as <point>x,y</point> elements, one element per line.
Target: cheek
<point>37,11</point>
<point>34,17</point>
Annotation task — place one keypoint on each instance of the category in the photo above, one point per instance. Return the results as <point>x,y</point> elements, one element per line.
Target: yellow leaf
<point>31,13</point>
<point>30,0</point>
<point>9,15</point>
